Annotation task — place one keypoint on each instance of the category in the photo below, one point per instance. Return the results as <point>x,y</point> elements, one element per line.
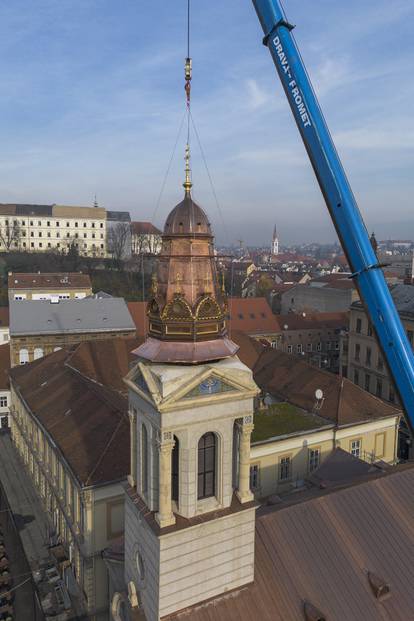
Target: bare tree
<point>10,234</point>
<point>145,238</point>
<point>146,243</point>
<point>119,239</point>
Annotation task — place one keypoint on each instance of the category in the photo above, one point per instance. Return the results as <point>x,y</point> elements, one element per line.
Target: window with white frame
<point>285,467</point>
<point>319,347</point>
<point>299,348</point>
<point>254,476</point>
<point>38,353</point>
<point>356,448</point>
<point>314,459</point>
<point>289,349</point>
<point>3,401</point>
<point>24,356</point>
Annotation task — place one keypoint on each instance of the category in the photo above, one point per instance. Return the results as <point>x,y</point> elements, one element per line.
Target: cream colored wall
<point>206,560</point>
<point>141,541</point>
<point>48,293</point>
<point>79,515</point>
<point>4,335</point>
<point>191,564</point>
<point>59,238</point>
<point>50,343</point>
<point>267,456</point>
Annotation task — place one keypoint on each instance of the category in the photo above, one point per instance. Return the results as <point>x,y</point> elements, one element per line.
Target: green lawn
<point>281,419</point>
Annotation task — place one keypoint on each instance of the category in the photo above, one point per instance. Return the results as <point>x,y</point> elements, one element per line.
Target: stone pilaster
<point>132,477</point>
<point>243,492</point>
<point>165,516</point>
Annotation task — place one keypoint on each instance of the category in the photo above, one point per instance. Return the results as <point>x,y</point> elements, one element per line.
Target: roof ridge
<point>103,392</point>
<point>102,455</point>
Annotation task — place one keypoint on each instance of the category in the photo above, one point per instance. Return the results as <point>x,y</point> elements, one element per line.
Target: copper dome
<point>187,219</point>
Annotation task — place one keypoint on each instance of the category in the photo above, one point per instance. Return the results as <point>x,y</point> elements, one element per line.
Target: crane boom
<point>341,203</point>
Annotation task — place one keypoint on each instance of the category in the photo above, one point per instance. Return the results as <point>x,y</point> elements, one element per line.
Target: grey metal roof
<point>69,316</point>
<point>118,216</point>
<point>403,296</point>
<point>28,210</point>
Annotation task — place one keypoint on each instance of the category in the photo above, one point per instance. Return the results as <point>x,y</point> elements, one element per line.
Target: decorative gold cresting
<point>187,183</point>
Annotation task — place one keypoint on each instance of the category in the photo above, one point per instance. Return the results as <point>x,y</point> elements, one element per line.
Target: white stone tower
<point>275,242</point>
<point>189,515</point>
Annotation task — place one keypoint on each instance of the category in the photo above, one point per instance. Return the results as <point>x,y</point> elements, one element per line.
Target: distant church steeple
<point>275,242</point>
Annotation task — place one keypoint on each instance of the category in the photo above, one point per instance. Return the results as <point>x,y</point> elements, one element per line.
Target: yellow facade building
<point>48,286</point>
<point>69,424</point>
<point>304,414</point>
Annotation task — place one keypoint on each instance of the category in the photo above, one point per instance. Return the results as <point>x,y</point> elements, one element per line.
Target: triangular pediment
<point>140,381</point>
<point>211,385</point>
<point>170,387</point>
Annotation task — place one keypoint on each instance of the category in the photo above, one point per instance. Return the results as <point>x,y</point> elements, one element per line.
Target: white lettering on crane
<point>295,92</point>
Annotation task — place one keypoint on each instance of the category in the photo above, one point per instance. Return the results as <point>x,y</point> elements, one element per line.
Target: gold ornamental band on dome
<point>178,309</point>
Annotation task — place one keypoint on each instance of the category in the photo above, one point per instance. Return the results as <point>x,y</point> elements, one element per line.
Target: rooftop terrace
<point>281,419</point>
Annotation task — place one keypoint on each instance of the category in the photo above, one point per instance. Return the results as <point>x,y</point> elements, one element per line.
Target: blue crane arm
<point>340,201</point>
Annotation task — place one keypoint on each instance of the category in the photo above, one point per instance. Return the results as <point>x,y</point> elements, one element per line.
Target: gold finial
<point>187,184</point>
<point>223,283</point>
<point>177,282</point>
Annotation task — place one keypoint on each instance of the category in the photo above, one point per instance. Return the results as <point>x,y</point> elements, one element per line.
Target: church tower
<point>190,514</point>
<point>275,242</point>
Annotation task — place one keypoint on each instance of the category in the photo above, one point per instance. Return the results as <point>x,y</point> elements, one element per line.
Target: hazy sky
<point>91,99</point>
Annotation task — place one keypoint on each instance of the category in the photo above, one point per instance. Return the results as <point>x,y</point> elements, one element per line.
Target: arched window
<point>175,460</point>
<point>236,454</point>
<point>38,353</point>
<point>144,459</point>
<point>207,466</point>
<point>24,356</point>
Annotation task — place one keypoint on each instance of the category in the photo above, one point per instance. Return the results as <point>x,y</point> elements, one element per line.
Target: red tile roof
<point>4,316</point>
<point>4,366</point>
<point>78,396</point>
<point>138,312</point>
<point>290,379</point>
<point>313,321</point>
<point>252,316</point>
<point>144,228</point>
<point>249,348</point>
<point>58,280</point>
<point>344,283</point>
